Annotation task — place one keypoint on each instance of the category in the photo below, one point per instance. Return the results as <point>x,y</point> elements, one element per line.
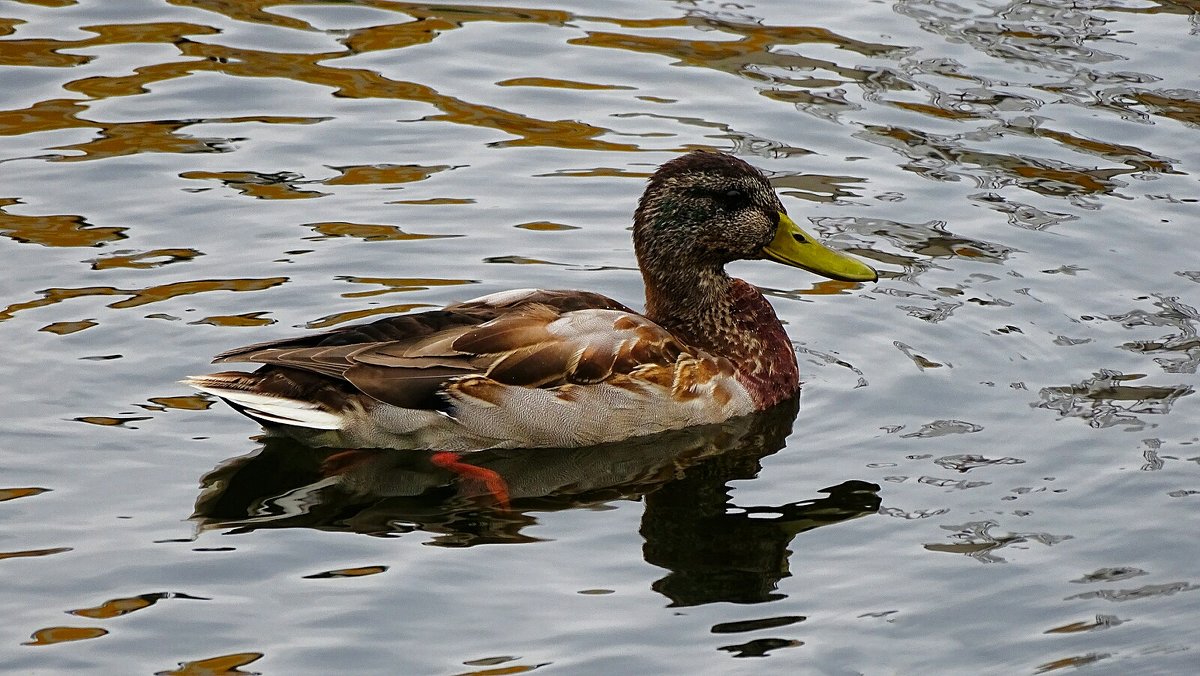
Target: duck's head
<point>706,209</point>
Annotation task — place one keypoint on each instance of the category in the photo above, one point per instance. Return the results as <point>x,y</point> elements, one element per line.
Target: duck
<point>530,368</point>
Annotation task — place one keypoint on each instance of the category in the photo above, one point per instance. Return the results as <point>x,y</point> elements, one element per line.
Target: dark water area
<point>994,465</point>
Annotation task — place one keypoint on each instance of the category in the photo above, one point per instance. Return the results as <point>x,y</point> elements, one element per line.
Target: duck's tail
<point>253,395</point>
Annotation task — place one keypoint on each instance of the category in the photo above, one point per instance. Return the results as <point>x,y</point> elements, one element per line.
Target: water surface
<point>993,467</point>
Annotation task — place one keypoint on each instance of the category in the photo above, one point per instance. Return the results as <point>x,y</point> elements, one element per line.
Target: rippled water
<point>994,464</point>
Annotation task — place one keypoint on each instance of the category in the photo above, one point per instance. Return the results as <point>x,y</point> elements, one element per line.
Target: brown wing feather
<point>406,388</point>
<point>510,332</point>
<point>543,365</point>
<point>329,361</point>
<point>400,328</point>
<point>286,383</point>
<point>561,300</point>
<point>406,360</point>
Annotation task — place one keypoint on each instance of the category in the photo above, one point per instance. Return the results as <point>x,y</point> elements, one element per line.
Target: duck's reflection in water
<point>714,550</point>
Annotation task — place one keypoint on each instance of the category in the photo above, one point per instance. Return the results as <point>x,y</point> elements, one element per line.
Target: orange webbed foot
<point>494,484</point>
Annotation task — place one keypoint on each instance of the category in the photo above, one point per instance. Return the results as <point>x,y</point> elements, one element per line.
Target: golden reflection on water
<point>745,56</point>
<point>398,284</point>
<point>436,201</point>
<point>359,571</point>
<point>753,54</point>
<point>244,319</point>
<point>281,186</point>
<point>33,552</point>
<point>545,226</point>
<point>1100,622</point>
<point>360,315</point>
<point>140,297</point>
<point>557,84</point>
<point>123,606</point>
<point>368,232</point>
<point>112,421</point>
<point>187,402</point>
<point>974,99</point>
<point>67,328</point>
<point>144,260</point>
<point>221,665</point>
<point>384,173</point>
<point>52,635</point>
<point>14,493</point>
<point>160,136</point>
<point>56,230</point>
<point>286,185</point>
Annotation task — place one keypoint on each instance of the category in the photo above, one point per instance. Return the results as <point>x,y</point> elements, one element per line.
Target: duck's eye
<point>733,199</point>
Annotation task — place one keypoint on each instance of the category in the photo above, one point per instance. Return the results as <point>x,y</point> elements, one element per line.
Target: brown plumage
<point>561,368</point>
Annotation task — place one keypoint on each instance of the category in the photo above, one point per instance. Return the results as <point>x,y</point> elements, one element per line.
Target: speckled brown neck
<point>731,318</point>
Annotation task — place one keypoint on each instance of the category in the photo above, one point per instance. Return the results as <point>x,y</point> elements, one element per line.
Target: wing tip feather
<point>264,407</point>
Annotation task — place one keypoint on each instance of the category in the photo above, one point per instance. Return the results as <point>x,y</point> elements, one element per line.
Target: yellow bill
<point>792,246</point>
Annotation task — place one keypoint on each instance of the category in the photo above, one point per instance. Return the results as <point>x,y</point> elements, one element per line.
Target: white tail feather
<point>272,408</point>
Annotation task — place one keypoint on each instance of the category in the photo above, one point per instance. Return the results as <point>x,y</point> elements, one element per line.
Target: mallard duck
<point>533,368</point>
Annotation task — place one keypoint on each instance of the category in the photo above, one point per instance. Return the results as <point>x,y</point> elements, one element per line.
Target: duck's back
<point>522,368</point>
